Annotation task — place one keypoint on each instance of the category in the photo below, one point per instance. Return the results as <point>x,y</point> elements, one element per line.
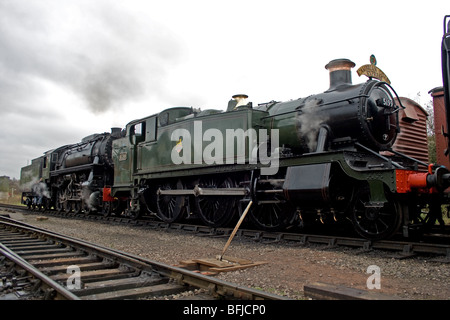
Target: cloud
<point>95,49</point>
<point>62,59</point>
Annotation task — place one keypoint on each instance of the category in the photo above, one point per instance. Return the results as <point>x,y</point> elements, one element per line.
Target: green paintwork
<point>39,168</point>
<point>145,151</point>
<point>285,122</point>
<point>148,153</point>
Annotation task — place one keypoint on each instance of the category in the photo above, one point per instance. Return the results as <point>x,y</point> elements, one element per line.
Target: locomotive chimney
<point>115,132</point>
<point>237,101</point>
<point>241,99</point>
<point>340,72</point>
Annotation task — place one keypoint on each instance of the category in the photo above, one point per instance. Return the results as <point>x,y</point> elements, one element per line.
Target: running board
<point>197,191</point>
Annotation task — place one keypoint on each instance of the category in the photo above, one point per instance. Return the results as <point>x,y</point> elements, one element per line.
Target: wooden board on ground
<point>213,266</point>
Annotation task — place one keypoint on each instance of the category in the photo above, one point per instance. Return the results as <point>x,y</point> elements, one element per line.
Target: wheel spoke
<point>170,208</point>
<point>273,215</point>
<point>373,222</point>
<point>216,211</point>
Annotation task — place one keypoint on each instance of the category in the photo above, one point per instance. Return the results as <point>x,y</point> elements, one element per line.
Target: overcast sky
<point>70,68</point>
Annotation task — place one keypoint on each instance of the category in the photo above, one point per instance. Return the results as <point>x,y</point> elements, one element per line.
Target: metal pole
<point>235,230</point>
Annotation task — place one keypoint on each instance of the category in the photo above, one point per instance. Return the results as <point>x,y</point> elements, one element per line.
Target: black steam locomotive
<point>326,158</point>
<point>71,177</point>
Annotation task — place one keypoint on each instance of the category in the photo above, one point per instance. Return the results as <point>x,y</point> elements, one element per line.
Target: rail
<point>403,247</point>
<point>105,273</point>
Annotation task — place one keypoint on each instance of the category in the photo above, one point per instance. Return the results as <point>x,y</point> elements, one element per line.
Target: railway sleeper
<point>119,272</point>
<point>82,266</point>
<point>58,255</point>
<point>14,237</point>
<point>139,292</point>
<point>102,286</point>
<point>66,261</point>
<point>11,244</point>
<point>52,250</point>
<point>40,246</point>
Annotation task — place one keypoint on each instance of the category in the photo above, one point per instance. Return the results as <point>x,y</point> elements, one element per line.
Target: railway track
<point>434,244</point>
<point>39,264</point>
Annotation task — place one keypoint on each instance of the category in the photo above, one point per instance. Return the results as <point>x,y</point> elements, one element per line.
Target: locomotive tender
<point>331,154</point>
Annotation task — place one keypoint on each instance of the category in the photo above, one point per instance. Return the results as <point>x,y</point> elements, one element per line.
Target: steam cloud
<point>309,122</point>
<point>31,182</point>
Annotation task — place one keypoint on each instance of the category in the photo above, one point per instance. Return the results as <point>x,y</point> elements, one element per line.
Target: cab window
<point>137,133</point>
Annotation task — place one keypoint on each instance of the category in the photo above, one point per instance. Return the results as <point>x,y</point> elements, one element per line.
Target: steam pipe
<point>322,139</point>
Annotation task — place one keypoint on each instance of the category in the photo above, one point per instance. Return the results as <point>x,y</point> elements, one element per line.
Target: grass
<point>15,200</point>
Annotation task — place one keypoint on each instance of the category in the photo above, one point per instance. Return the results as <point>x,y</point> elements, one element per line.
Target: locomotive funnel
<point>340,72</point>
<point>116,132</point>
<point>237,101</point>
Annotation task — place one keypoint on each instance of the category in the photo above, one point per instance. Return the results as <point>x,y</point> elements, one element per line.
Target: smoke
<point>309,121</point>
<point>58,55</point>
<point>38,187</point>
<point>41,189</point>
<point>98,50</point>
<point>30,181</point>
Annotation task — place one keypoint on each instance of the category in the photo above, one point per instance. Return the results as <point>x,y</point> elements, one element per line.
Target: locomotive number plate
<point>123,156</point>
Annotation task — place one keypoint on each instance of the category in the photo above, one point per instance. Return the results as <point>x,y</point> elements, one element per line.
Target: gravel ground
<point>289,266</point>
